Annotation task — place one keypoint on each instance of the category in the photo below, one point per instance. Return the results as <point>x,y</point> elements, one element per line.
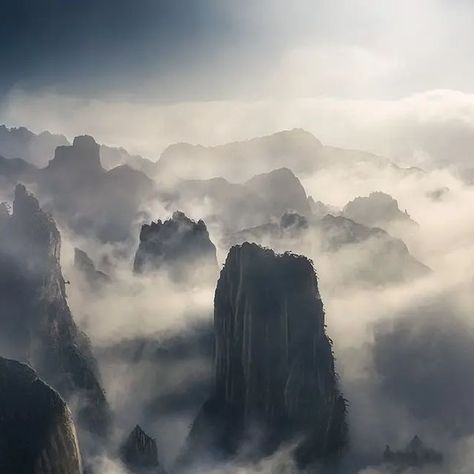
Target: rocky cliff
<point>140,454</point>
<point>37,434</point>
<point>179,245</point>
<point>36,324</point>
<point>274,368</point>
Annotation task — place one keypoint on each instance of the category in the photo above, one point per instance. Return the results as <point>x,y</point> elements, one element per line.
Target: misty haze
<point>236,237</point>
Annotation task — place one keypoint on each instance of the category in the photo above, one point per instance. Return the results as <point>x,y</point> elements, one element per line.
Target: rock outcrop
<point>140,454</point>
<point>37,434</point>
<point>179,246</point>
<point>94,278</point>
<point>415,454</point>
<point>36,324</point>
<point>275,380</point>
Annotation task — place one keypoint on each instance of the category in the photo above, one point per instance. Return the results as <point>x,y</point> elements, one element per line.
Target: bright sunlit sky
<point>147,72</point>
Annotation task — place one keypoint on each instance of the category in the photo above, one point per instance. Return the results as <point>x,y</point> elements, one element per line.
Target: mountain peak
<point>83,156</point>
<point>140,452</point>
<point>272,356</point>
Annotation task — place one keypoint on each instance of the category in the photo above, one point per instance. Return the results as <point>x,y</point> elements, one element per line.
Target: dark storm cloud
<point>89,45</point>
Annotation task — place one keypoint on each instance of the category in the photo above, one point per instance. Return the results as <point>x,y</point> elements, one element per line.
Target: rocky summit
<point>179,246</point>
<point>275,380</point>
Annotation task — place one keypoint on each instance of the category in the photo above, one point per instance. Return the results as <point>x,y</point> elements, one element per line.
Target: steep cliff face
<point>180,246</point>
<point>140,454</point>
<point>275,378</point>
<point>36,324</point>
<point>37,434</point>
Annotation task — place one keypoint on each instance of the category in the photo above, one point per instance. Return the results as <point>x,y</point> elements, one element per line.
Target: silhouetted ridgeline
<point>37,434</point>
<point>275,379</point>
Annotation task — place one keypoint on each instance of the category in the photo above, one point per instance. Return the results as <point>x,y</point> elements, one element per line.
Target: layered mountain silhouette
<point>36,324</point>
<point>37,434</point>
<point>111,157</point>
<point>95,279</point>
<point>92,201</point>
<point>337,234</point>
<point>179,246</point>
<point>378,210</point>
<point>236,206</point>
<point>296,149</point>
<point>274,369</point>
<point>37,149</point>
<point>34,148</point>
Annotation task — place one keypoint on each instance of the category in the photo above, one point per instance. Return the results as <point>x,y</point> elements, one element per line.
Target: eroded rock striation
<point>179,246</point>
<point>36,324</point>
<point>140,454</point>
<point>37,434</point>
<point>275,380</point>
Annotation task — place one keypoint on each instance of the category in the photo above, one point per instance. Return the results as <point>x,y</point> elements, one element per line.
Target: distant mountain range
<point>296,149</point>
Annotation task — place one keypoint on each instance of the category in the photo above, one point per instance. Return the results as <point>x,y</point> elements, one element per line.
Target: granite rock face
<point>140,454</point>
<point>275,379</point>
<point>179,246</point>
<point>37,434</point>
<point>36,324</point>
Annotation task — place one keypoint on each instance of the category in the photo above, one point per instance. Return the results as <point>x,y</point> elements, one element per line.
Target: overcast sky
<point>74,55</point>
